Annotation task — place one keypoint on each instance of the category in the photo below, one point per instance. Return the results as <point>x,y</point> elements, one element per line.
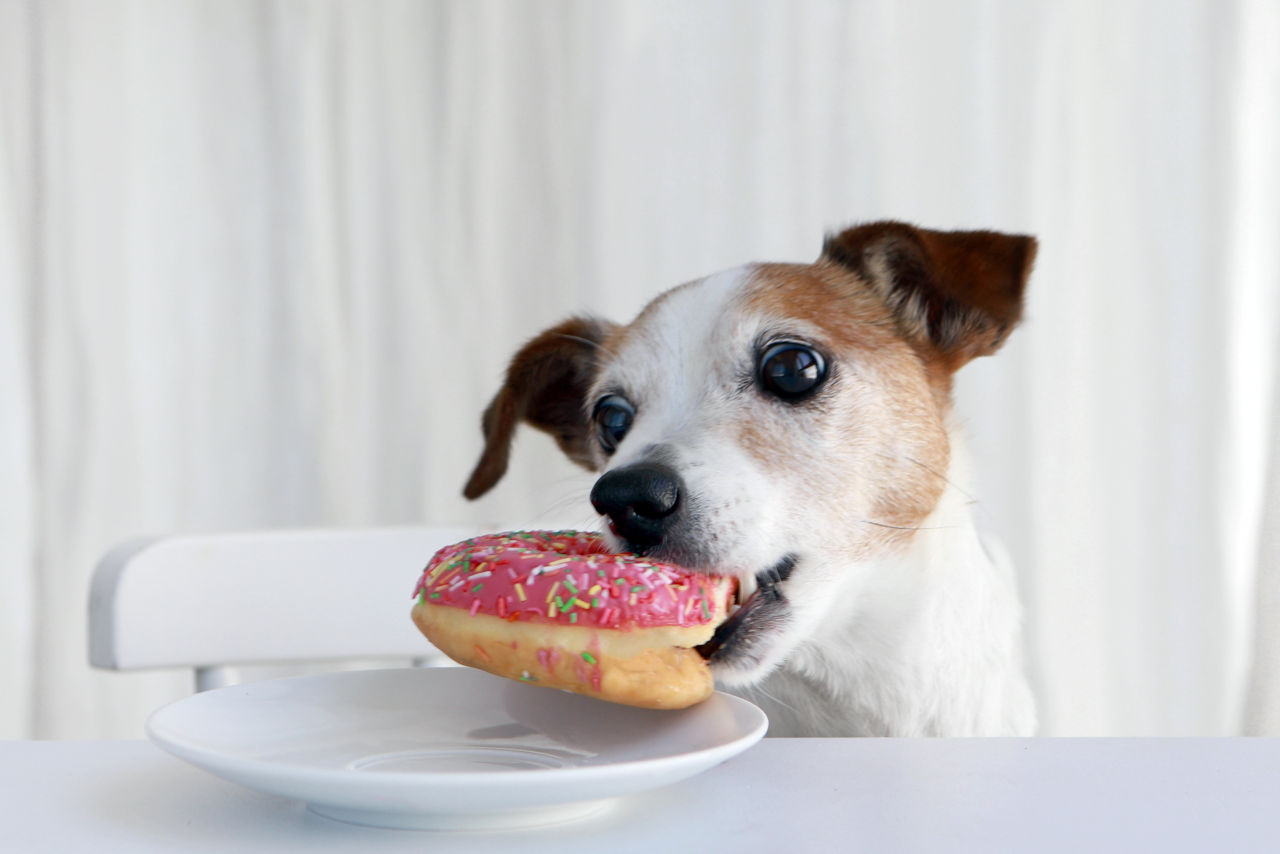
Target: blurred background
<point>262,265</point>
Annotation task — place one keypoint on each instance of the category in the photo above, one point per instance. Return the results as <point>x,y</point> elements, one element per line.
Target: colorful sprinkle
<point>582,579</point>
<point>588,658</point>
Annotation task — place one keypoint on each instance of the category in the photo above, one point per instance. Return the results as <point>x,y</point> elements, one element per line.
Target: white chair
<point>274,597</point>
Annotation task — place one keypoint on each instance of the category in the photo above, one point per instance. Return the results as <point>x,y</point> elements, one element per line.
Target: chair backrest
<point>266,597</point>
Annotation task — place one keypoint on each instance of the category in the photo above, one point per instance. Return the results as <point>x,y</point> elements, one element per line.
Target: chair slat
<point>264,597</point>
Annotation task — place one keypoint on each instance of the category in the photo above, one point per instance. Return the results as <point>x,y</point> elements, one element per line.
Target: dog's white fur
<point>888,629</point>
<point>925,642</point>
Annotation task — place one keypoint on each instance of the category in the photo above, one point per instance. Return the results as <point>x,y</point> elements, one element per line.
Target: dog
<point>791,425</point>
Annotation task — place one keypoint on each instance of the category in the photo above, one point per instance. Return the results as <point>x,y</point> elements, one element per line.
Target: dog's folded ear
<point>546,386</point>
<point>955,293</point>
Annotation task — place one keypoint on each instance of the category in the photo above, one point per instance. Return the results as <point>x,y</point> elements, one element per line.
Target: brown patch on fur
<point>827,297</point>
<point>546,386</point>
<point>848,310</point>
<point>957,293</point>
<point>866,344</point>
<point>912,305</point>
<point>756,439</point>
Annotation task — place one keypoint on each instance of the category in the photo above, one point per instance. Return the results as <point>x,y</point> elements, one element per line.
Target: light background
<point>262,264</point>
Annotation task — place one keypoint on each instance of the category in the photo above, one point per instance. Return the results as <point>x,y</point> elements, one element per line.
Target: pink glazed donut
<point>558,609</point>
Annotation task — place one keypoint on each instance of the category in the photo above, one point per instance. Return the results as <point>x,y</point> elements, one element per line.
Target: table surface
<point>787,795</point>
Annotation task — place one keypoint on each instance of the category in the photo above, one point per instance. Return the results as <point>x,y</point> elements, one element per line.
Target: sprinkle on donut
<point>567,578</point>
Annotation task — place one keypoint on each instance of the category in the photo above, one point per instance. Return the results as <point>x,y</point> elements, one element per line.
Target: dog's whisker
<point>973,500</point>
<point>595,345</point>
<point>906,527</point>
<point>560,511</point>
<point>572,508</point>
<point>931,470</point>
<point>758,690</point>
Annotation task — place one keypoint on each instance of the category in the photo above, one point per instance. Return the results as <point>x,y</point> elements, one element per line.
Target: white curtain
<point>261,264</point>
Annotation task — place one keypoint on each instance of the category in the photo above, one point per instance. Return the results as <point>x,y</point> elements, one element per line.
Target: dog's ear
<point>955,293</point>
<point>546,386</point>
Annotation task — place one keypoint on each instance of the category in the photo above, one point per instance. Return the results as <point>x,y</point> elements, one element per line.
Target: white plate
<point>447,748</point>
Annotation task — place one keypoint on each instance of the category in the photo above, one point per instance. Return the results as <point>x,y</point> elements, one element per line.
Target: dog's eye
<point>613,416</point>
<point>792,371</point>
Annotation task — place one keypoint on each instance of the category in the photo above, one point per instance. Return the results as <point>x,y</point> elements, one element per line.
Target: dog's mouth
<point>741,642</point>
<point>737,639</point>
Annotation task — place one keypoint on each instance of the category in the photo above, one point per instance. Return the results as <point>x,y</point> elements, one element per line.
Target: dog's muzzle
<point>738,638</point>
<point>642,501</point>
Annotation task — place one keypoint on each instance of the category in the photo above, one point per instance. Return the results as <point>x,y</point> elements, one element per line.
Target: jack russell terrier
<point>791,424</point>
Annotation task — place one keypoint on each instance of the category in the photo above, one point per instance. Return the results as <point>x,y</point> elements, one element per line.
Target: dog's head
<point>784,423</point>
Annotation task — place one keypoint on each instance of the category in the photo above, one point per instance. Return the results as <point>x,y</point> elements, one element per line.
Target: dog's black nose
<point>641,499</point>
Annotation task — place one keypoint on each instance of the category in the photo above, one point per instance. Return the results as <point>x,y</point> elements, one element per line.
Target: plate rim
<point>191,751</point>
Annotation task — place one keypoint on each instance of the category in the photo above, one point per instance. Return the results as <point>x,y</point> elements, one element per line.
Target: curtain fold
<point>262,264</point>
<point>1255,451</point>
<point>19,238</point>
<point>1262,706</point>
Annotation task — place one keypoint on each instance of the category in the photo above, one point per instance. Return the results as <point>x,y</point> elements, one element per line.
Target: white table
<point>791,796</point>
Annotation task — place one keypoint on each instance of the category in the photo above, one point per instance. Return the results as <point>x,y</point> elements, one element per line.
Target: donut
<point>560,610</point>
